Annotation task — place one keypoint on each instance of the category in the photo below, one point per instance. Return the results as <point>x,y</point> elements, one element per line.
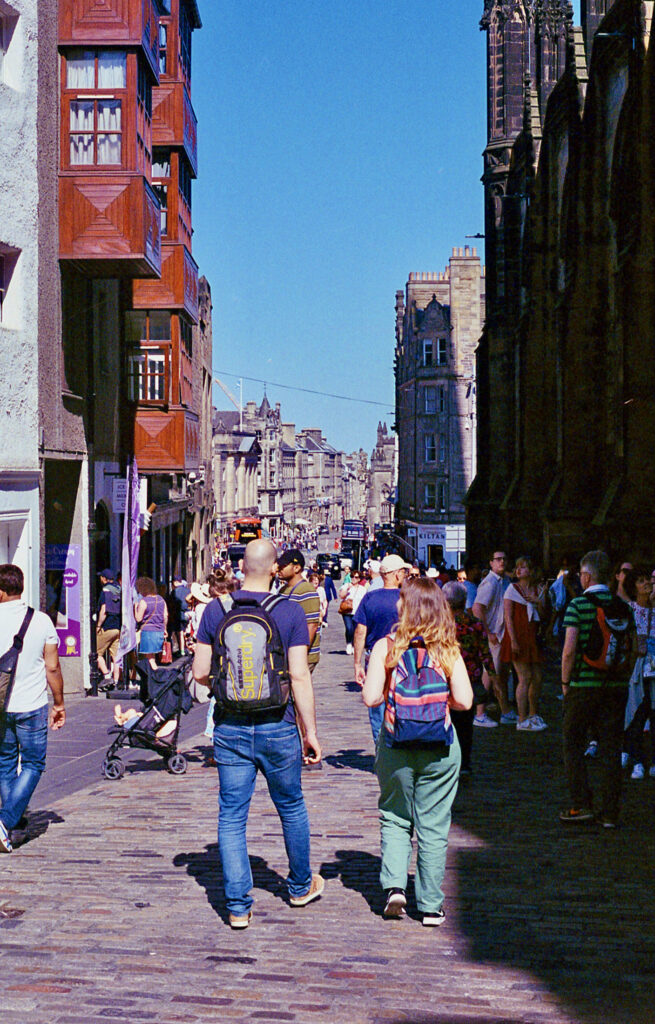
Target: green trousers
<point>417,789</point>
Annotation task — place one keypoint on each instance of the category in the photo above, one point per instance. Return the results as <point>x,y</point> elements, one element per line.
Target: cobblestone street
<point>115,909</point>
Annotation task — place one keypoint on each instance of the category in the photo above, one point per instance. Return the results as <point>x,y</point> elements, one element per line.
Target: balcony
<point>174,122</point>
<point>167,440</point>
<point>109,225</point>
<point>112,22</point>
<point>178,287</point>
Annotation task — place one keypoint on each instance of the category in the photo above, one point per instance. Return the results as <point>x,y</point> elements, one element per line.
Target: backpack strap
<point>271,601</point>
<point>20,635</point>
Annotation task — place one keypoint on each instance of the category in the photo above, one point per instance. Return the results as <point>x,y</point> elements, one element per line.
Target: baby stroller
<point>165,697</point>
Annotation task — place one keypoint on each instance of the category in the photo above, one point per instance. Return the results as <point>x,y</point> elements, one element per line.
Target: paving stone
<point>122,914</point>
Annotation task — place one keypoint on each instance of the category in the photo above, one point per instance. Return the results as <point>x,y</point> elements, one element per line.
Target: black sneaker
<point>434,919</point>
<point>396,903</point>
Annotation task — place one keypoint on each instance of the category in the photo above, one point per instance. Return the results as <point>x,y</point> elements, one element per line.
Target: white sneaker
<point>350,649</point>
<point>485,722</point>
<point>538,723</point>
<point>625,759</point>
<point>510,718</point>
<point>527,726</point>
<point>592,749</point>
<point>638,772</point>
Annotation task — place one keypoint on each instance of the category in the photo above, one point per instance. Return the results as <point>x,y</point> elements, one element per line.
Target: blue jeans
<point>240,750</point>
<point>25,734</point>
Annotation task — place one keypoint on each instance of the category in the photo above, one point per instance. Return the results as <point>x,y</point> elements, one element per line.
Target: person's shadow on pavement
<point>36,826</point>
<point>205,867</point>
<point>351,758</point>
<point>359,871</point>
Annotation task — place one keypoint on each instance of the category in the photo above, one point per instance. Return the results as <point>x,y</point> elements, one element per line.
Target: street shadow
<point>37,825</point>
<point>359,871</point>
<point>355,759</point>
<point>204,867</point>
<point>557,901</point>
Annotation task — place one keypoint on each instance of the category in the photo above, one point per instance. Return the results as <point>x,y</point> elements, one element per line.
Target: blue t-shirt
<point>378,611</point>
<point>288,617</point>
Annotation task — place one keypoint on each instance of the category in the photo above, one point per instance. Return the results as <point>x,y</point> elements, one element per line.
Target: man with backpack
<point>108,627</point>
<point>596,666</point>
<point>259,654</point>
<point>29,660</point>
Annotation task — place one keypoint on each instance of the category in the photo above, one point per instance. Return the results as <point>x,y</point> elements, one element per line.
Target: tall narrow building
<point>526,52</point>
<point>438,322</point>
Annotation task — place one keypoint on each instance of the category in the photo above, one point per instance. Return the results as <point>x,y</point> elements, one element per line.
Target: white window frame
<point>442,496</point>
<point>430,407</point>
<point>441,352</point>
<point>428,346</point>
<point>429,448</point>
<point>430,500</point>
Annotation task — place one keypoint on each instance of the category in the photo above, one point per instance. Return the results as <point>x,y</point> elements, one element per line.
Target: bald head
<point>259,559</point>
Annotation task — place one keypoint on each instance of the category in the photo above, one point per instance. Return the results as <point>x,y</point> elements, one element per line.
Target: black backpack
<point>9,661</point>
<point>250,662</point>
<point>112,594</point>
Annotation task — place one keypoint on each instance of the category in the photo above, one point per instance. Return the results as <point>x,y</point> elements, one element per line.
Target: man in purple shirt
<point>245,744</point>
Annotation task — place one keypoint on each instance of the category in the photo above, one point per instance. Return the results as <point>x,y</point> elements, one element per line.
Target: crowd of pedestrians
<point>437,653</point>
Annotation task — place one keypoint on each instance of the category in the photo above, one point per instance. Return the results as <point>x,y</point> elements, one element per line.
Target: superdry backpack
<point>608,646</point>
<point>416,710</point>
<point>251,668</point>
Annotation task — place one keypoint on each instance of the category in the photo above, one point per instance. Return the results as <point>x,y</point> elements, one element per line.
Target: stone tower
<point>592,12</point>
<point>526,53</point>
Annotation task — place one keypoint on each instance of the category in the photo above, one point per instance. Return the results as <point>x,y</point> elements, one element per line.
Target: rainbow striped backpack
<point>416,708</point>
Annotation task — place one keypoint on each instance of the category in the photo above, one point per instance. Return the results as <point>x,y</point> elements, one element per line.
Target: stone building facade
<point>382,479</point>
<point>439,318</point>
<point>566,413</point>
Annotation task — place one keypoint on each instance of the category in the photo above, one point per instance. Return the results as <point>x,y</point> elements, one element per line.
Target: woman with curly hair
<point>418,782</point>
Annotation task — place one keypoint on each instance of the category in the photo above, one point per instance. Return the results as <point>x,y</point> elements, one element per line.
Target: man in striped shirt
<point>592,702</point>
<point>290,566</point>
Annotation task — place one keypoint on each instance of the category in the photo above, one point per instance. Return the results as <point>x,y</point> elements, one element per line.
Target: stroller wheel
<point>176,764</point>
<point>113,768</point>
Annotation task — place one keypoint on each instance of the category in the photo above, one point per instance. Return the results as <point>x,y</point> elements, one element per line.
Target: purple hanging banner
<point>130,560</point>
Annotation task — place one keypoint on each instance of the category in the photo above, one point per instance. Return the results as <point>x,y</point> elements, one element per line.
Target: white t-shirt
<point>490,595</point>
<point>29,692</point>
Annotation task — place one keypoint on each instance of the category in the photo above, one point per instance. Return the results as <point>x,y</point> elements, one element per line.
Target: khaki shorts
<point>107,640</point>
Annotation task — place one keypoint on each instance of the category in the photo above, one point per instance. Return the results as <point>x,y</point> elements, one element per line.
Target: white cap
<point>392,563</point>
<point>432,573</point>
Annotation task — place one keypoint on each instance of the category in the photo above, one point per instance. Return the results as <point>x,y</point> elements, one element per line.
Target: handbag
<point>346,607</point>
<point>166,653</point>
<point>9,661</point>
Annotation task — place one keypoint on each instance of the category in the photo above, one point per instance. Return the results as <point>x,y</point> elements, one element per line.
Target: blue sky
<point>340,148</point>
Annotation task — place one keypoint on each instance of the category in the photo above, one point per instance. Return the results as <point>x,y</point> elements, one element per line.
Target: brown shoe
<point>240,920</point>
<point>315,890</point>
